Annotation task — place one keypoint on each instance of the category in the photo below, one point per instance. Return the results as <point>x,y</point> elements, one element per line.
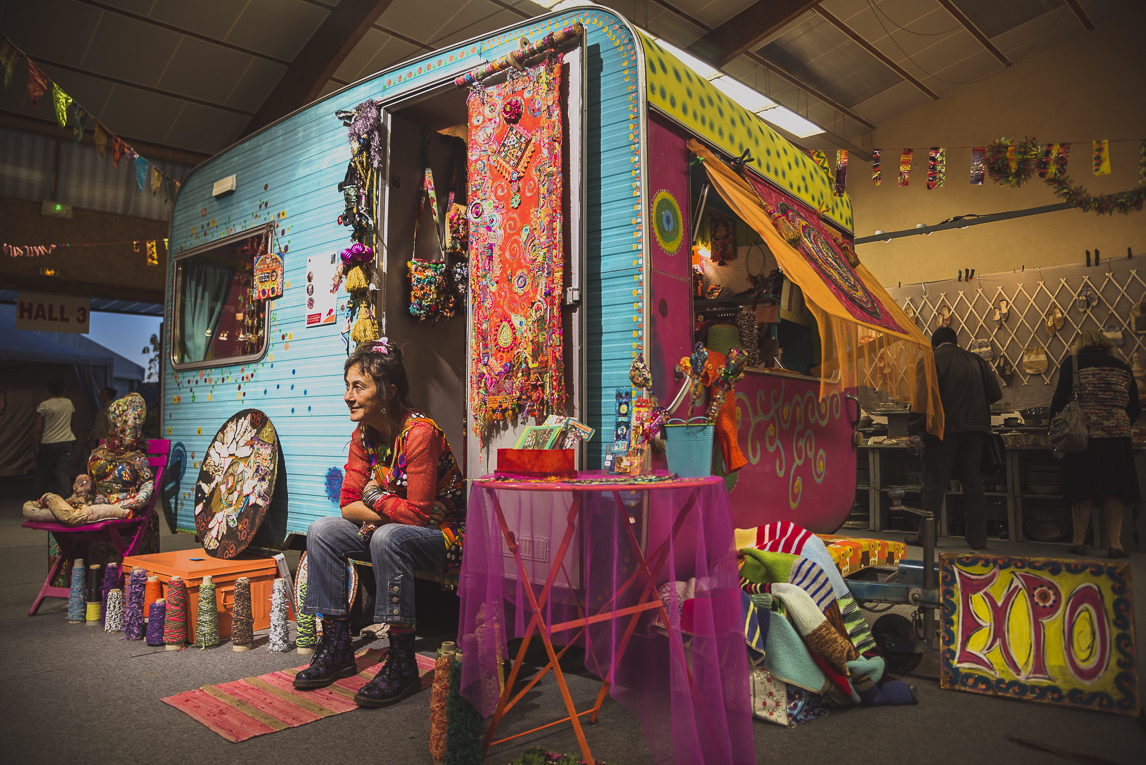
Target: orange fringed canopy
<point>881,349</point>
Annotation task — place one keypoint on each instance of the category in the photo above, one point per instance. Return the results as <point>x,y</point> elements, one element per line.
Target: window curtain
<point>204,291</point>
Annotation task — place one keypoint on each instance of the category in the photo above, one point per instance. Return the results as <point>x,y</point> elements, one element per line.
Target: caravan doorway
<point>432,128</point>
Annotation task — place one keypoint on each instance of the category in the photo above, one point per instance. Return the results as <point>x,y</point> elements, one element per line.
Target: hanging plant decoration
<point>1106,204</point>
<point>1003,153</point>
<point>359,190</point>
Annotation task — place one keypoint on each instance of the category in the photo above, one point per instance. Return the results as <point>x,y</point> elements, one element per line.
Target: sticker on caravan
<point>321,304</point>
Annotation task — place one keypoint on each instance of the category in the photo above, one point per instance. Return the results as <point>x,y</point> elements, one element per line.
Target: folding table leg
<point>538,621</point>
<point>48,591</point>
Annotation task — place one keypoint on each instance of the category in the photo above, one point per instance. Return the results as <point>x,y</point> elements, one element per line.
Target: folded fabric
<point>809,576</point>
<point>766,567</point>
<point>803,706</point>
<point>769,697</point>
<point>857,630</point>
<point>788,659</point>
<point>802,610</point>
<point>756,624</point>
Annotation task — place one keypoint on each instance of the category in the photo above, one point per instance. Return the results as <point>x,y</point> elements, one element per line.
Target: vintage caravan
<point>654,160</point>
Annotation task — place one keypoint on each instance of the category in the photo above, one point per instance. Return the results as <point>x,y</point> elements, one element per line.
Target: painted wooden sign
<point>53,313</point>
<point>1039,629</point>
<point>268,276</point>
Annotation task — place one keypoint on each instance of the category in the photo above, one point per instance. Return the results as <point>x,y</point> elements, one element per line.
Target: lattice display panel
<point>1032,295</point>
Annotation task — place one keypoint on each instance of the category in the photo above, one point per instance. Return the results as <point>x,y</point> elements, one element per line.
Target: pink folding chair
<point>116,530</point>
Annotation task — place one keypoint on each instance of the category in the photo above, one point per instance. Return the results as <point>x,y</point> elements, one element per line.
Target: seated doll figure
<point>119,480</point>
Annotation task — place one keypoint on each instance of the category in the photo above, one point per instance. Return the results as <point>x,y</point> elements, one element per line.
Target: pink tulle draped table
<point>584,562</point>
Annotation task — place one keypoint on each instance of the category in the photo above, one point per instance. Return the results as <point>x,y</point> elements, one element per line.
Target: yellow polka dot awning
<point>694,102</point>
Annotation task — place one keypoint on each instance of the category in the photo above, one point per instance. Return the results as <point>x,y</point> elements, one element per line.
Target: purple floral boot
<point>334,658</point>
<point>398,676</point>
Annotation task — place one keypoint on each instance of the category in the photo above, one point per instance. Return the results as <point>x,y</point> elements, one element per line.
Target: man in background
<point>54,441</point>
<point>100,425</point>
<point>967,388</point>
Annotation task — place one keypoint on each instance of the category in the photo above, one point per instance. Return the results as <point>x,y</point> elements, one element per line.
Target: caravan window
<point>215,320</point>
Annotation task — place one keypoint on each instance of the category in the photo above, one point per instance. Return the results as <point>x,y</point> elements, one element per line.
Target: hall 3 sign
<point>53,313</point>
<point>1039,629</point>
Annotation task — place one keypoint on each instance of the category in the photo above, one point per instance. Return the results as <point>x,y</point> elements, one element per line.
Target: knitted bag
<point>430,295</point>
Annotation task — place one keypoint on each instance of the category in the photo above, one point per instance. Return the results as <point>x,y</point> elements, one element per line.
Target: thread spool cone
<point>94,613</point>
<point>305,651</point>
<point>241,648</point>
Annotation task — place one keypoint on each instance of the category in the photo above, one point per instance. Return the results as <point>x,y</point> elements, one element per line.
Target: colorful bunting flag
<point>1048,166</point>
<point>978,156</point>
<point>118,149</point>
<point>156,179</point>
<point>62,101</point>
<point>9,55</point>
<point>936,167</point>
<point>841,180</point>
<point>79,119</point>
<point>1142,163</point>
<point>167,191</point>
<point>152,255</point>
<point>141,168</point>
<point>100,140</point>
<point>1101,157</point>
<point>875,166</point>
<point>821,160</point>
<point>905,167</point>
<point>37,84</point>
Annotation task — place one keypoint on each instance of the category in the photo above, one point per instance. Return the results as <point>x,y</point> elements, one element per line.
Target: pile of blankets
<point>809,645</point>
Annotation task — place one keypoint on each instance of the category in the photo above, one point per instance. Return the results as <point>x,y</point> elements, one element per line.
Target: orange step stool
<point>192,565</point>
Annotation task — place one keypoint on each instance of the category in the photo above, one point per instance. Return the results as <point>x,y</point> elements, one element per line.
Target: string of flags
<point>148,177</point>
<point>148,246</point>
<point>1052,161</point>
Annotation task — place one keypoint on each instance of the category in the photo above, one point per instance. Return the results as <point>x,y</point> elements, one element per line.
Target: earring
<point>382,410</point>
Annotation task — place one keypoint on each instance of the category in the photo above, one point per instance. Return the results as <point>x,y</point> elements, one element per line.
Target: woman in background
<point>1105,472</point>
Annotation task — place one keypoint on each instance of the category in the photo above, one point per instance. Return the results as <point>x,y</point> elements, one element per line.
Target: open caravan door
<point>525,349</point>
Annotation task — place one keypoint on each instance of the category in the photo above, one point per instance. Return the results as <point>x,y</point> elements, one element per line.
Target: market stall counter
<point>587,561</point>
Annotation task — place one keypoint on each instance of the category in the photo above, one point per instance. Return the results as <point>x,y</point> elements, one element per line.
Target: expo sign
<point>53,313</point>
<point>1039,629</point>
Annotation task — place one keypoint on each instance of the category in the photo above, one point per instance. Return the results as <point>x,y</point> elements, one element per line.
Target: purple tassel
<point>156,618</point>
<point>112,580</point>
<point>133,612</point>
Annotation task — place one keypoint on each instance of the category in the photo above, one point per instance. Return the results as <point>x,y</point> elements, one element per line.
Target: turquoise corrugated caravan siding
<point>288,174</point>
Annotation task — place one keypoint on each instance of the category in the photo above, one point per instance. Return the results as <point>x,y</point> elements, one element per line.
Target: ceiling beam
<point>883,58</point>
<point>977,33</point>
<point>844,143</point>
<point>1078,11</point>
<point>756,57</point>
<point>747,29</point>
<point>56,285</point>
<point>316,63</point>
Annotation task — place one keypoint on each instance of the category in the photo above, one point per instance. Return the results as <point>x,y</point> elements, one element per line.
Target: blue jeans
<point>395,550</point>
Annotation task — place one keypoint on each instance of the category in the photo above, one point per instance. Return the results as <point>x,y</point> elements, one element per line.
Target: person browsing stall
<point>403,509</point>
<point>54,440</point>
<point>967,388</point>
<point>1105,471</point>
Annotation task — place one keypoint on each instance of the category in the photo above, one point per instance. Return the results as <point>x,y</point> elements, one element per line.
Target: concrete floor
<point>73,694</point>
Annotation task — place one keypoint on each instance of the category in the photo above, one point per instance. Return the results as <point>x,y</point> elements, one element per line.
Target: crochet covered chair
<point>120,481</point>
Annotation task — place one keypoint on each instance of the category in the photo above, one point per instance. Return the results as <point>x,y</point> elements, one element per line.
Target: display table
<point>580,563</point>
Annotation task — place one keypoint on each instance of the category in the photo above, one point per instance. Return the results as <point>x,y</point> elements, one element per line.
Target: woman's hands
<point>437,514</point>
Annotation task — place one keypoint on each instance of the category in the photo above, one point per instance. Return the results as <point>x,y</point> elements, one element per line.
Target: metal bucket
<point>688,447</point>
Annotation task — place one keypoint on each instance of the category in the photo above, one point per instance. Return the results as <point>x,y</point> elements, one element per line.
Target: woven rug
<point>255,706</point>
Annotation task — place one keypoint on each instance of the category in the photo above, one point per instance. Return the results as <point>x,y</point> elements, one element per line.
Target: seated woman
<point>119,480</point>
<point>399,477</point>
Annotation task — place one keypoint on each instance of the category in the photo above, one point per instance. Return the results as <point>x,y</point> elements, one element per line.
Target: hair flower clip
<point>381,346</point>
